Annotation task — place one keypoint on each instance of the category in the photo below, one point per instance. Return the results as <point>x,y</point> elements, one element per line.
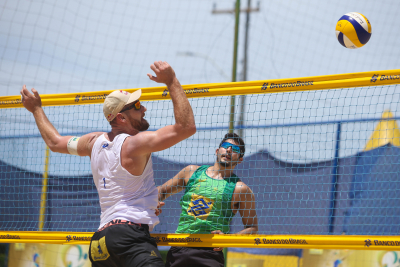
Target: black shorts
<point>194,257</point>
<point>124,245</point>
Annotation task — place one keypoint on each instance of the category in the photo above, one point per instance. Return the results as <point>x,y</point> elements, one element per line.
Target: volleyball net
<point>322,160</point>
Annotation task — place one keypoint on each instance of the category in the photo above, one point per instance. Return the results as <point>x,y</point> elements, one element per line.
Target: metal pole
<point>243,97</point>
<point>235,52</point>
<point>43,198</point>
<point>335,179</point>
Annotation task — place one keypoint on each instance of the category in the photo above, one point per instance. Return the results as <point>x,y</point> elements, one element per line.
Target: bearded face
<point>226,158</point>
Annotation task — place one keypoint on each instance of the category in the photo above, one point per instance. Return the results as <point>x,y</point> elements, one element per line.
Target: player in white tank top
<point>122,168</point>
<point>121,194</point>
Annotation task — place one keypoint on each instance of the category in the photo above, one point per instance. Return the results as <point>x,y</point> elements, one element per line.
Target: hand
<point>158,209</point>
<point>165,73</point>
<point>30,102</point>
<point>220,233</point>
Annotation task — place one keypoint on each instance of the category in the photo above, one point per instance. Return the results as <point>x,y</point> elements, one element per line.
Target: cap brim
<point>134,96</point>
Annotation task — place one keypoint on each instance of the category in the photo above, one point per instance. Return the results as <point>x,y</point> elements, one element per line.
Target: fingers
<point>164,72</point>
<point>154,68</point>
<point>151,77</point>
<point>35,92</point>
<point>218,249</point>
<point>158,210</point>
<point>24,90</point>
<point>158,64</point>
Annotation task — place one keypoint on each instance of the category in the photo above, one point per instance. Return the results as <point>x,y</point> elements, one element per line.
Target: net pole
<point>43,198</point>
<point>335,178</point>
<point>235,52</point>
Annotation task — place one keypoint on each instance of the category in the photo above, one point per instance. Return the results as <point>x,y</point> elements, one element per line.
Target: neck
<point>116,130</point>
<point>220,172</point>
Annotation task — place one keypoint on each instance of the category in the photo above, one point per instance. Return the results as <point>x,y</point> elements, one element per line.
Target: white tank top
<point>121,194</point>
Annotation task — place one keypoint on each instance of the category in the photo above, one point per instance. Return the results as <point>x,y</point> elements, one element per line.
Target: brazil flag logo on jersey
<point>200,207</point>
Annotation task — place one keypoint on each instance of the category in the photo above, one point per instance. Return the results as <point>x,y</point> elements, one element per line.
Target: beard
<point>141,125</point>
<point>224,163</point>
<point>144,125</point>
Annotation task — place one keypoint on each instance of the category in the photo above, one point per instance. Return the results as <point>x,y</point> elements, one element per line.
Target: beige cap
<point>115,102</point>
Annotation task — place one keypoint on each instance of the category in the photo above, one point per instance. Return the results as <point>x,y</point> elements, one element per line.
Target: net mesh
<point>305,162</point>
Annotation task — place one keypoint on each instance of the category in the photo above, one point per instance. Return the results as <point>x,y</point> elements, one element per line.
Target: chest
<point>216,190</point>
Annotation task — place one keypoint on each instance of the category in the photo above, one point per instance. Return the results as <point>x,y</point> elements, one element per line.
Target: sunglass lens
<point>137,105</point>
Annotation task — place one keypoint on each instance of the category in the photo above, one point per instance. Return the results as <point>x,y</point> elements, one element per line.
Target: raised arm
<point>50,135</point>
<point>247,208</point>
<point>184,127</point>
<point>177,183</point>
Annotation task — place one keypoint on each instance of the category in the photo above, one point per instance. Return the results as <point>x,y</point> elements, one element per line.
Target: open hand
<point>165,73</point>
<point>30,101</point>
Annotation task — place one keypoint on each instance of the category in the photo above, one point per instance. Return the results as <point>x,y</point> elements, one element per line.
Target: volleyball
<point>353,30</point>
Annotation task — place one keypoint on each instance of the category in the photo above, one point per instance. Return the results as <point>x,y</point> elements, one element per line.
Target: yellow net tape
<point>231,240</point>
<point>349,80</point>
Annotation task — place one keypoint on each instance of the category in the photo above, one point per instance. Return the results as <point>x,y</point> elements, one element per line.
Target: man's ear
<point>240,160</point>
<point>120,117</point>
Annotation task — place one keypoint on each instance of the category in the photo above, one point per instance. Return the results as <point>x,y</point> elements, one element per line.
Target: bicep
<point>149,141</point>
<point>83,145</point>
<point>247,208</point>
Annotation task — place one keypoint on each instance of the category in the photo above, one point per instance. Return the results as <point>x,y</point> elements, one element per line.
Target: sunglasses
<point>227,145</point>
<point>135,105</point>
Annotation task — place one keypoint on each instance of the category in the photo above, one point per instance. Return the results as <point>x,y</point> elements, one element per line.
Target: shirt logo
<point>200,207</point>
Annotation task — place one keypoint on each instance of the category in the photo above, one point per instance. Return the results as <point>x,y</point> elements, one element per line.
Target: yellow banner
<point>231,240</point>
<point>349,80</point>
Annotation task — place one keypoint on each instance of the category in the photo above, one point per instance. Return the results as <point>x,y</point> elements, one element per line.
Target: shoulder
<point>91,137</point>
<point>242,193</point>
<point>189,170</point>
<point>242,188</point>
<point>135,143</point>
<point>192,167</point>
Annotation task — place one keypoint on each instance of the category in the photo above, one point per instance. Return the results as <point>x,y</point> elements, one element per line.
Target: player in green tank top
<point>213,195</point>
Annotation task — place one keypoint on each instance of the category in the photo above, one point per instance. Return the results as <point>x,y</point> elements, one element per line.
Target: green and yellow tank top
<point>206,204</point>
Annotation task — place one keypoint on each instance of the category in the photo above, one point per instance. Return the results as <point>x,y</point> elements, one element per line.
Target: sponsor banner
<point>349,80</point>
<point>349,258</point>
<point>228,240</point>
<point>29,255</point>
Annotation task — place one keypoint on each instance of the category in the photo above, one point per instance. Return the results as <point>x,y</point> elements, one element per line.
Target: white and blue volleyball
<point>353,30</point>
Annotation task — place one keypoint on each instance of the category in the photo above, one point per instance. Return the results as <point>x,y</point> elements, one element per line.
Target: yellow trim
<point>231,240</point>
<point>369,24</point>
<point>337,81</point>
<point>43,197</point>
<point>387,131</point>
